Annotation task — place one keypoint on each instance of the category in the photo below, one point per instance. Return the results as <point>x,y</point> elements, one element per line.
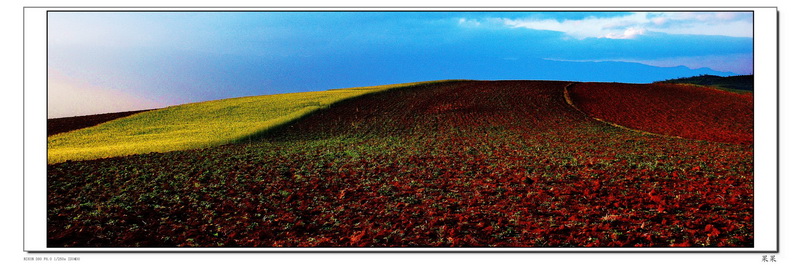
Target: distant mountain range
<point>370,72</point>
<point>615,71</point>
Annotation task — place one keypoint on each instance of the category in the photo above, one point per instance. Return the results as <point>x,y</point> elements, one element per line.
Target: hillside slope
<point>686,111</point>
<point>195,125</point>
<point>454,110</point>
<point>458,164</point>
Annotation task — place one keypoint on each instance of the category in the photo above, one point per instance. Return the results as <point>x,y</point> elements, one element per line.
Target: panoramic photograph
<point>400,129</point>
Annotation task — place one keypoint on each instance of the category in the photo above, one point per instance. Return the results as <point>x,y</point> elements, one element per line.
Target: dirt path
<point>569,101</point>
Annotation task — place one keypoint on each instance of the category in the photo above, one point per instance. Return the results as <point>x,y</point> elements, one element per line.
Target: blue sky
<point>113,61</point>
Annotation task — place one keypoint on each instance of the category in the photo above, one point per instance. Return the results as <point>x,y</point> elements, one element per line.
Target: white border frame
<point>766,134</point>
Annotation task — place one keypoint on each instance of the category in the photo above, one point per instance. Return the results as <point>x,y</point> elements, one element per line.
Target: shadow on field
<point>278,132</point>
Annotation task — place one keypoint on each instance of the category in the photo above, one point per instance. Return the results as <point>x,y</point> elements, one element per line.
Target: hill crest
<point>731,83</point>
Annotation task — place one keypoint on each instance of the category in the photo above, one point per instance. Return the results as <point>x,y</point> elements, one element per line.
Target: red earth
<point>687,111</point>
<point>457,164</point>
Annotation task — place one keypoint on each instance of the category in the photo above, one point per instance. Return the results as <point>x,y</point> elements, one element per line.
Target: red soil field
<point>694,112</point>
<point>458,164</point>
<point>446,111</point>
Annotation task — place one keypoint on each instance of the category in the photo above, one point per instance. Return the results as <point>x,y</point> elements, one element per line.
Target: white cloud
<point>659,20</point>
<point>469,22</point>
<point>735,24</point>
<point>629,33</point>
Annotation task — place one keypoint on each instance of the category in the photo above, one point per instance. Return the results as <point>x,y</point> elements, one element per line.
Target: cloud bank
<point>630,26</point>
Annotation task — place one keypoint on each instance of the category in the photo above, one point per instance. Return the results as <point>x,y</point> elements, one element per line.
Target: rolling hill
<point>447,164</point>
<point>194,125</point>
